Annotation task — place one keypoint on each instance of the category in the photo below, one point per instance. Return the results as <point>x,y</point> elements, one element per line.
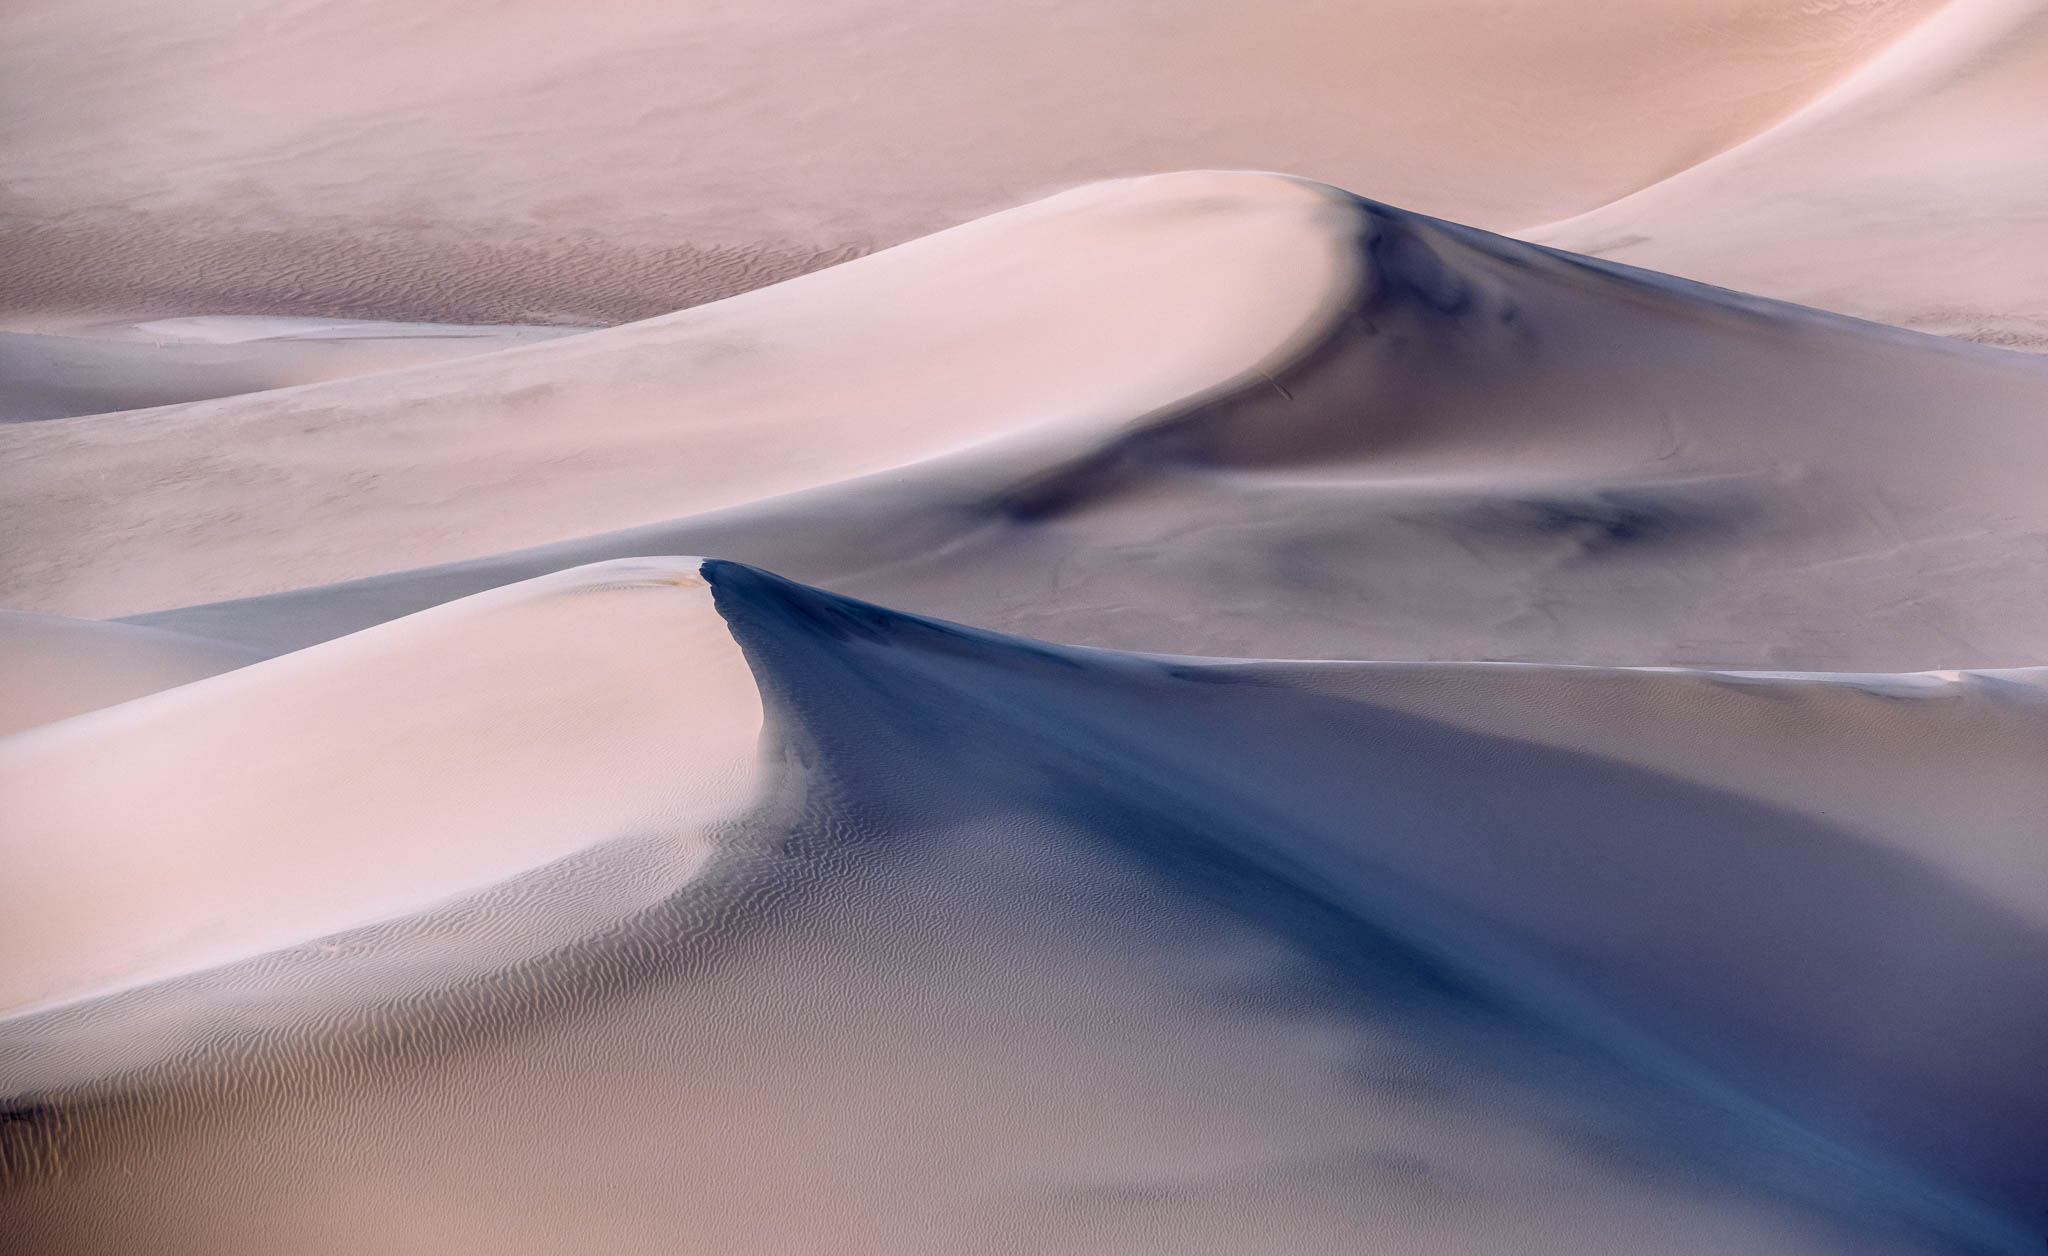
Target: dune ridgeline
<point>1202,713</point>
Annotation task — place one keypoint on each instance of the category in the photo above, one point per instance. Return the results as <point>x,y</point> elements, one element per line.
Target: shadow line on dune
<point>1432,872</point>
<point>1707,937</point>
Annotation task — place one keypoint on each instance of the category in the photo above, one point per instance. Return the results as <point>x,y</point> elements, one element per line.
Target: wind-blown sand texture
<point>1215,715</point>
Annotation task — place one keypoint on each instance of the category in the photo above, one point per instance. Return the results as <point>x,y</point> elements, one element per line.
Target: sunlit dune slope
<point>1080,311</point>
<point>367,778</point>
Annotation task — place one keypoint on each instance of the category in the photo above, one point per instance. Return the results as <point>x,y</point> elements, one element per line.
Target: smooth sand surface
<point>370,777</point>
<point>1219,715</point>
<point>1028,948</point>
<point>52,667</point>
<point>1087,309</point>
<point>1290,424</point>
<point>63,371</point>
<point>519,161</point>
<point>1909,192</point>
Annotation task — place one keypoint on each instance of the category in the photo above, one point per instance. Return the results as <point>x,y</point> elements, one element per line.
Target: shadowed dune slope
<point>1452,446</point>
<point>1138,953</point>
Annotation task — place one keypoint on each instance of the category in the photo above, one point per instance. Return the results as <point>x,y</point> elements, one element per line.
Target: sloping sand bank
<point>1025,947</point>
<point>367,778</point>
<point>1298,425</point>
<point>60,371</point>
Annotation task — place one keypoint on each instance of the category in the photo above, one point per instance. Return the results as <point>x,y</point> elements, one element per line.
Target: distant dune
<point>97,369</point>
<point>521,160</point>
<point>1909,192</point>
<point>52,667</point>
<point>1206,413</point>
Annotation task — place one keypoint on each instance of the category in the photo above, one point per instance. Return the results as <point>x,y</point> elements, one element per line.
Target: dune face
<point>1215,714</point>
<point>1161,954</point>
<point>137,852</point>
<point>1424,442</point>
<point>1082,310</point>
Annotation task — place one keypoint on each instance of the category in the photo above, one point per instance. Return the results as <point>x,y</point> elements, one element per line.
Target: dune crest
<point>1087,309</point>
<point>1470,448</point>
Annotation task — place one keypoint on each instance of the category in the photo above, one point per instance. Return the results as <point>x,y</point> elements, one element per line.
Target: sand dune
<point>367,778</point>
<point>1083,310</point>
<point>1220,715</point>
<point>1177,954</point>
<point>52,667</point>
<point>518,161</point>
<point>1908,193</point>
<point>1403,439</point>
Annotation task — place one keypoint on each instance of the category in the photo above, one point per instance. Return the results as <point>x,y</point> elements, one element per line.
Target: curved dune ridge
<point>1185,953</point>
<point>1444,443</point>
<point>1219,715</point>
<point>1086,309</point>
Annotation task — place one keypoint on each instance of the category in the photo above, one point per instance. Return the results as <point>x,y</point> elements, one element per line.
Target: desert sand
<point>1908,192</point>
<point>534,161</point>
<point>52,666</point>
<point>919,628</point>
<point>60,368</point>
